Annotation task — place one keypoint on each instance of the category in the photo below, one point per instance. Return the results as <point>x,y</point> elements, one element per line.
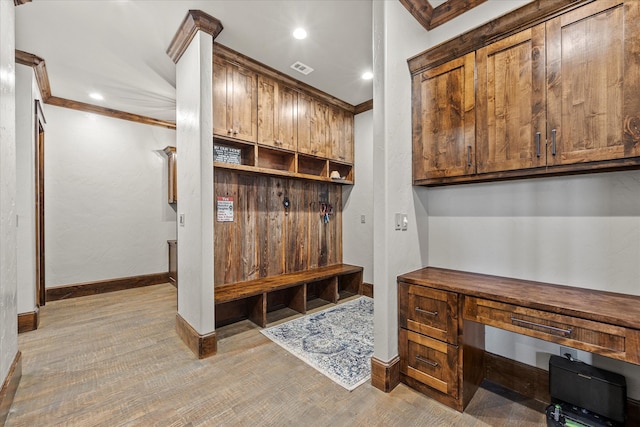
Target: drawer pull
<point>427,361</point>
<point>430,313</point>
<point>526,322</point>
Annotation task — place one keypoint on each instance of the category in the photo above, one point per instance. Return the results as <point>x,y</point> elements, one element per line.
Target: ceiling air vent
<point>304,69</point>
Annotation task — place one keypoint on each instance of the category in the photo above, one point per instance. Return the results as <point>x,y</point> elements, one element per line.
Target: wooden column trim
<point>201,345</point>
<point>520,19</point>
<point>385,376</point>
<point>367,289</point>
<point>362,107</point>
<point>194,20</point>
<point>421,10</point>
<point>19,2</point>
<point>104,286</point>
<point>430,17</point>
<point>9,387</point>
<point>40,70</point>
<point>28,321</point>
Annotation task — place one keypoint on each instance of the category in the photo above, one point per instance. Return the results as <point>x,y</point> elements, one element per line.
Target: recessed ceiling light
<point>300,33</point>
<point>96,96</point>
<point>367,75</point>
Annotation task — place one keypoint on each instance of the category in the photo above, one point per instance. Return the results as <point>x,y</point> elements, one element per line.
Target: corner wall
<point>357,237</point>
<point>8,289</point>
<point>26,92</point>
<point>106,210</point>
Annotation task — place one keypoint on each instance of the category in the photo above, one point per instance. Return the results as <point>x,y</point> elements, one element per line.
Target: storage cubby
<point>224,152</point>
<point>345,171</point>
<point>308,165</point>
<point>268,158</point>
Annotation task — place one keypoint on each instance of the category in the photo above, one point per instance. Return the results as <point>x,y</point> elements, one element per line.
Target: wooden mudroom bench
<point>254,298</point>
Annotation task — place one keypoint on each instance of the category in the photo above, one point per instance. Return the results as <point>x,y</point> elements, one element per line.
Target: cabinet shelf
<point>275,172</point>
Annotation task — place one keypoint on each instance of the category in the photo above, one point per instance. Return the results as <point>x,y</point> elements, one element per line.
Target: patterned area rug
<point>337,341</point>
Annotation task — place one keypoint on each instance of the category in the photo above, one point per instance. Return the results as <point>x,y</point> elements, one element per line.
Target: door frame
<point>39,122</point>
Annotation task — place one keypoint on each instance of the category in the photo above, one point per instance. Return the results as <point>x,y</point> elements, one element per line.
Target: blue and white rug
<point>337,341</point>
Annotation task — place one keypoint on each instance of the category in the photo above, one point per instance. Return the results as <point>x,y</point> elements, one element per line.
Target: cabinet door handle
<point>538,135</point>
<point>538,325</point>
<point>468,155</point>
<point>427,361</point>
<point>553,142</point>
<point>430,313</point>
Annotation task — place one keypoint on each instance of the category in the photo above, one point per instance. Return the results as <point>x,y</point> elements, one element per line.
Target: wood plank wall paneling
<point>103,286</point>
<point>201,345</point>
<point>194,20</point>
<point>265,239</point>
<point>385,376</point>
<point>28,321</point>
<point>533,382</point>
<point>9,387</point>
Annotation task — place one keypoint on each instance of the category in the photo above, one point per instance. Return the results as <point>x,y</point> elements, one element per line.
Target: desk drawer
<point>575,332</point>
<point>429,311</point>
<point>429,361</point>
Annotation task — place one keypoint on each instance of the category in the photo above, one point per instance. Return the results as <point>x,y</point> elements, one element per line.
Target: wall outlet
<point>362,219</point>
<point>573,352</point>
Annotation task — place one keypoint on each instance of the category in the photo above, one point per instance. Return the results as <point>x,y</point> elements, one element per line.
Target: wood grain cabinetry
<point>313,126</point>
<point>442,313</point>
<point>558,97</point>
<point>444,120</point>
<point>593,83</point>
<point>235,101</point>
<point>277,114</point>
<point>281,126</point>
<point>432,358</point>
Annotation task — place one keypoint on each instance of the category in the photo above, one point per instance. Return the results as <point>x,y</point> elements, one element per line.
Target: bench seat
<point>254,298</point>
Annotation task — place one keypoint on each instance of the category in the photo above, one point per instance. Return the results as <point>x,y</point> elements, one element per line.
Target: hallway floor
<point>115,360</point>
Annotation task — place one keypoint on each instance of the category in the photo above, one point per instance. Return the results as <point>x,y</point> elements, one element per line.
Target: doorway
<point>39,214</point>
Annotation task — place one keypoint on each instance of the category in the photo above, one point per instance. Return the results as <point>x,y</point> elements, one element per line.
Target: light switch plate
<point>181,220</point>
<point>398,221</point>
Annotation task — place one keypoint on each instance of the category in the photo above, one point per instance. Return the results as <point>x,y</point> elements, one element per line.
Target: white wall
<point>8,291</point>
<point>397,36</point>
<point>194,77</point>
<point>106,210</point>
<point>26,92</point>
<point>357,237</point>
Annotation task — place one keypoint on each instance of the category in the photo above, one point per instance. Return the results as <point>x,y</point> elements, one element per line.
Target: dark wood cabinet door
<point>221,110</point>
<point>511,103</point>
<point>593,77</point>
<point>277,114</point>
<point>444,120</point>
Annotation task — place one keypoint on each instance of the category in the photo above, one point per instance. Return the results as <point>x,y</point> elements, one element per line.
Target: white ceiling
<point>118,47</point>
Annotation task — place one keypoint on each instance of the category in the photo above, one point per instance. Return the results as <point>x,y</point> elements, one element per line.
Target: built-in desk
<point>442,313</point>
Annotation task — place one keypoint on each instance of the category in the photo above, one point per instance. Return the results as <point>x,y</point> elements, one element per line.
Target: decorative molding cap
<point>19,2</point>
<point>430,17</point>
<point>40,70</point>
<point>194,21</point>
<point>365,106</point>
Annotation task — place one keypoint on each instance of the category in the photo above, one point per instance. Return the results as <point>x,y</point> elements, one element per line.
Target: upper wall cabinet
<point>511,124</point>
<point>313,126</point>
<point>444,120</point>
<point>341,135</point>
<point>235,101</point>
<point>558,97</point>
<point>277,114</point>
<point>268,123</point>
<point>593,75</point>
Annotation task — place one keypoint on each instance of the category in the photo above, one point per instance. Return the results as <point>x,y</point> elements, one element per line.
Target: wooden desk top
<point>601,306</point>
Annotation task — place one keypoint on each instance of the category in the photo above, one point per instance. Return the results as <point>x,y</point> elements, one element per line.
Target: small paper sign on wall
<point>225,209</point>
